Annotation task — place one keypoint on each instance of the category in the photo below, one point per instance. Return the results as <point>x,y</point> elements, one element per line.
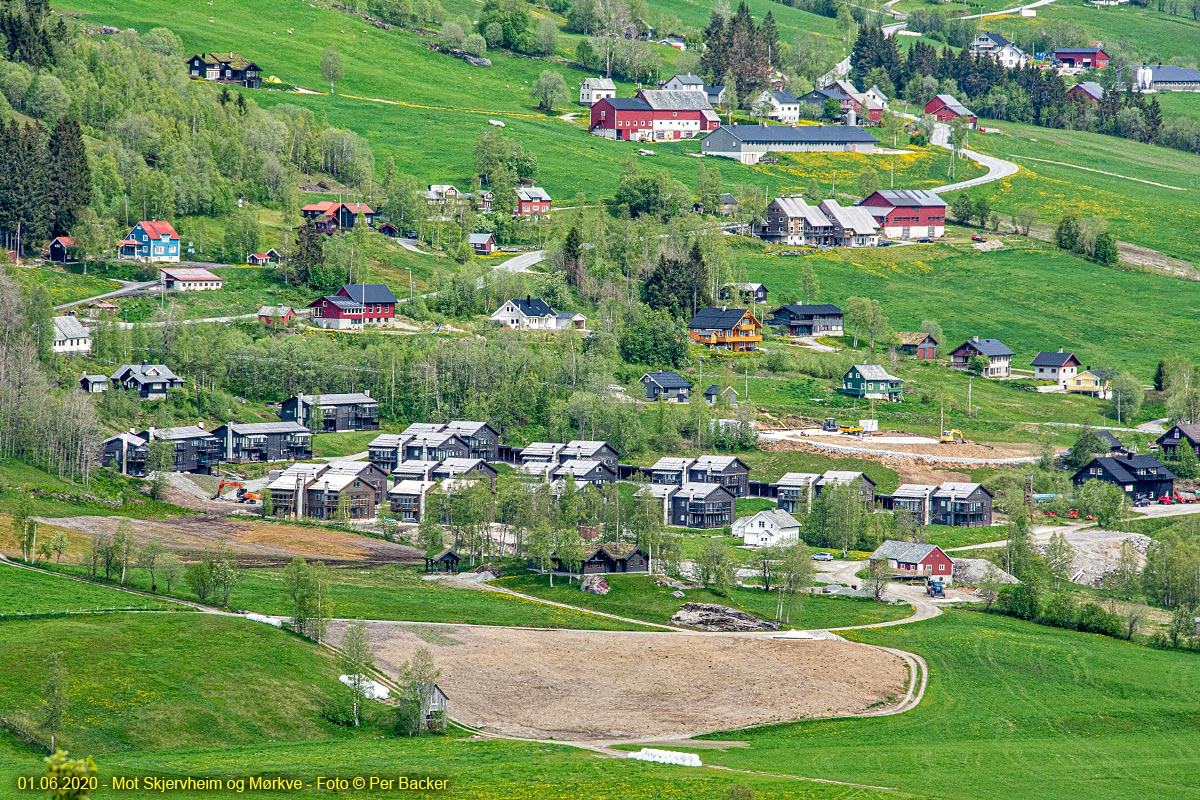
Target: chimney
<point>974,338</point>
<point>200,424</point>
<point>145,364</point>
<point>367,392</point>
<point>1060,349</point>
<point>229,440</point>
<point>299,499</point>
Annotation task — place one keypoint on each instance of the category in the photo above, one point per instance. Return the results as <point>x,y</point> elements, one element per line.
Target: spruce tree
<point>68,178</point>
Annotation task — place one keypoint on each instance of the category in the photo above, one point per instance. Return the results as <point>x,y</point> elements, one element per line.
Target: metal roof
<point>675,100</point>
<point>667,380</point>
<point>600,83</point>
<point>182,432</point>
<point>958,108</point>
<point>988,347</point>
<point>797,207</point>
<point>369,293</point>
<point>906,552</point>
<point>908,198</point>
<point>251,428</point>
<point>1166,73</point>
<point>717,318</point>
<point>802,310</point>
<point>1050,359</point>
<point>533,307</point>
<point>388,440</point>
<point>798,479</point>
<point>914,491</point>
<point>855,219</point>
<point>188,274</point>
<point>347,399</point>
<point>583,447</point>
<point>669,464</point>
<point>875,372</point>
<point>700,491</point>
<point>800,134</point>
<point>70,328</point>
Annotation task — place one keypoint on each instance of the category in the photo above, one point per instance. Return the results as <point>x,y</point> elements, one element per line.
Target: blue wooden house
<point>151,240</point>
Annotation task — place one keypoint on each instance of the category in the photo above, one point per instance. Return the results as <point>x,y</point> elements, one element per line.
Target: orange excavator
<point>242,495</point>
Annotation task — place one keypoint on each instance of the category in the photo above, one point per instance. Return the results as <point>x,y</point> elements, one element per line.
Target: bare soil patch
<point>256,543</point>
<point>583,685</point>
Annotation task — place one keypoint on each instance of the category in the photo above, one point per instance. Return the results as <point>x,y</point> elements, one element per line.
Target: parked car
<point>1141,502</point>
<point>883,243</point>
<point>925,240</point>
<point>822,556</point>
<point>975,237</point>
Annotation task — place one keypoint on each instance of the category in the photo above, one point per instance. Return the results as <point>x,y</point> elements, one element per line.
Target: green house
<point>872,382</point>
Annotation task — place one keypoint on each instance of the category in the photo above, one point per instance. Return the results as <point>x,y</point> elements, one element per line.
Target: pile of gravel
<point>712,617</point>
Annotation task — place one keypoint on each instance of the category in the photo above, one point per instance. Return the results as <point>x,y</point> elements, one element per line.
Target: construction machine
<point>952,436</point>
<point>242,495</point>
<point>830,425</point>
<point>851,429</point>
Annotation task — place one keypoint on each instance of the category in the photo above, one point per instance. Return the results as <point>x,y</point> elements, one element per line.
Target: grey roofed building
<point>912,197</point>
<point>797,207</point>
<point>345,303</point>
<point>673,100</point>
<point>628,103</point>
<point>716,318</point>
<point>365,293</point>
<point>70,328</point>
<point>423,429</point>
<point>783,96</point>
<point>903,552</point>
<point>533,307</point>
<point>535,194</point>
<point>605,84</point>
<point>715,94</point>
<point>1165,77</point>
<point>542,451</point>
<point>990,347</point>
<point>1096,91</point>
<point>688,80</point>
<point>821,95</point>
<point>668,380</point>
<point>1050,359</point>
<point>955,106</point>
<point>802,134</point>
<point>875,372</point>
<point>997,39</point>
<point>856,220</point>
<point>478,238</point>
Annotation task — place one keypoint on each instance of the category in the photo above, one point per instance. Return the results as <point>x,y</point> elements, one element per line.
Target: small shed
<point>446,561</point>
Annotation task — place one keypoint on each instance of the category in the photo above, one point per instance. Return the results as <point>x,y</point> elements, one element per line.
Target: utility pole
<point>970,381</point>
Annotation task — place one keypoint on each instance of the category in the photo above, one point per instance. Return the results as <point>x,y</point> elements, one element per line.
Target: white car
<point>822,556</point>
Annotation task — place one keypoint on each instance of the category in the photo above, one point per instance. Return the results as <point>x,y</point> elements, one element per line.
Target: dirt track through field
<point>256,543</point>
<point>601,686</point>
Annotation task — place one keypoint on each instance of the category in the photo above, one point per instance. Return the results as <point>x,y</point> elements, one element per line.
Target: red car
<point>975,237</point>
<point>1166,500</point>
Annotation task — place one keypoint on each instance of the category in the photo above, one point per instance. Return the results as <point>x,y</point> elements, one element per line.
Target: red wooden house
<point>532,201</point>
<point>276,315</point>
<point>907,213</point>
<point>337,313</point>
<point>377,301</point>
<point>263,259</point>
<point>910,560</point>
<point>945,108</point>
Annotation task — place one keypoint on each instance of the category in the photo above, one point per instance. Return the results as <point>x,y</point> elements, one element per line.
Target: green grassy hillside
<point>23,591</point>
<point>1012,709</point>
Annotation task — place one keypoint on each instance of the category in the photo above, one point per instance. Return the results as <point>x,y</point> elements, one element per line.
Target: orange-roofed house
<point>151,240</point>
<point>331,216</point>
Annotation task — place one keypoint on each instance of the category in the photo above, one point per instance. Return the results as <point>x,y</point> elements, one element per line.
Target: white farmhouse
<point>767,528</point>
<point>530,314</point>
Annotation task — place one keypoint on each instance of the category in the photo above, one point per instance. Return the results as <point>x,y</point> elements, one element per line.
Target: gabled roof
<point>1190,430</point>
<point>479,238</point>
<point>828,93</point>
<point>423,429</point>
<point>841,477</point>
<point>801,310</point>
<point>412,487</point>
<point>1082,51</point>
<point>855,219</point>
<point>718,463</point>
<point>988,347</point>
<point>914,337</point>
<point>959,489</point>
<point>65,241</point>
<point>801,134</point>
<point>958,108</point>
<point>234,60</point>
<point>1113,443</point>
<point>601,84</point>
<point>997,39</point>
<point>159,228</point>
<point>909,198</point>
<point>798,479</point>
<point>784,97</point>
<point>464,428</point>
<point>533,194</point>
<point>533,307</point>
<point>1059,359</point>
<point>1124,468</point>
<point>670,464</point>
<point>128,438</point>
<point>875,372</point>
<point>458,466</point>
<point>627,103</point>
<point>275,311</point>
<point>368,293</point>
<point>258,428</point>
<point>70,328</point>
<point>1167,73</point>
<point>798,208</point>
<point>580,447</point>
<point>667,380</point>
<point>542,449</point>
<point>675,100</point>
<point>717,318</point>
<point>388,440</point>
<point>906,552</point>
<point>686,80</point>
<point>579,466</point>
<point>914,491</point>
<point>345,399</point>
<point>1096,91</point>
<point>188,274</point>
<point>178,433</point>
<point>700,491</point>
<point>344,303</point>
<point>146,372</point>
<point>415,466</point>
<point>776,516</point>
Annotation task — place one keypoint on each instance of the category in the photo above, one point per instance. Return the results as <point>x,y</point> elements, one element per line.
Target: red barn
<point>654,115</point>
<point>276,315</point>
<point>622,118</point>
<point>946,109</point>
<point>907,213</point>
<point>909,560</point>
<point>1082,57</point>
<point>337,313</point>
<point>377,301</point>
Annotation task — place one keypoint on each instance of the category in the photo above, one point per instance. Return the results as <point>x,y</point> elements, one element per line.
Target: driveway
<point>127,287</point>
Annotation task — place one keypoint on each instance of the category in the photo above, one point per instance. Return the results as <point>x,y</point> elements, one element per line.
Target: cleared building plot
<point>586,685</point>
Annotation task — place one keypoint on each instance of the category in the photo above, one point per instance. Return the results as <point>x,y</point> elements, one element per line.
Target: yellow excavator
<point>952,436</point>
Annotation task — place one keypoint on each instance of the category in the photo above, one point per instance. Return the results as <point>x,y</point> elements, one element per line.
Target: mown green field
<point>1033,299</point>
<point>62,286</point>
<point>1155,35</point>
<point>393,592</point>
<point>1159,217</point>
<point>638,597</point>
<point>243,291</point>
<point>24,591</point>
<point>1012,710</point>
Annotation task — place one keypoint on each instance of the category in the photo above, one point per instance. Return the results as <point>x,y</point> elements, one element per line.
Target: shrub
<point>1018,600</point>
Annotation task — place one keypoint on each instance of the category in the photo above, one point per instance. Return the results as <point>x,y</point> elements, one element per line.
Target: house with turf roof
<point>231,67</point>
<point>607,558</point>
<point>918,345</point>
